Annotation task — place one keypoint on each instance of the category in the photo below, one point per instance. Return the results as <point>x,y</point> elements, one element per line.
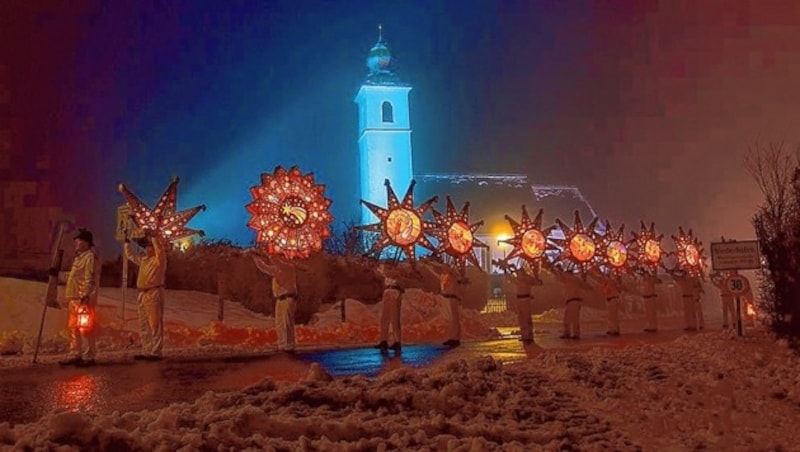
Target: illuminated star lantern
<point>400,224</point>
<point>689,252</point>
<point>456,236</point>
<point>163,220</point>
<point>614,255</point>
<point>580,245</point>
<point>529,241</point>
<point>647,246</point>
<point>289,213</point>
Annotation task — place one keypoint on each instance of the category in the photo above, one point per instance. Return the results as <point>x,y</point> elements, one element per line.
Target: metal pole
<point>739,316</point>
<point>124,282</point>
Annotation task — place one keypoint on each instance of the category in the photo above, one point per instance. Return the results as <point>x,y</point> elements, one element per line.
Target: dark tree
<point>777,224</point>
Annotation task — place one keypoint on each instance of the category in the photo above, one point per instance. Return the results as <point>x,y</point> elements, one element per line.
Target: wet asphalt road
<point>122,384</point>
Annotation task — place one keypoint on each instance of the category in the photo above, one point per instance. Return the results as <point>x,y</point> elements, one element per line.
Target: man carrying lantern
<point>81,297</point>
<point>284,289</point>
<point>150,284</point>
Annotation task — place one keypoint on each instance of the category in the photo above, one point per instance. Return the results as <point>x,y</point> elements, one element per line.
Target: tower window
<point>388,112</point>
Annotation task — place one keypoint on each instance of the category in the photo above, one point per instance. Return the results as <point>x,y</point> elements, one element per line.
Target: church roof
<point>492,196</point>
<point>381,64</point>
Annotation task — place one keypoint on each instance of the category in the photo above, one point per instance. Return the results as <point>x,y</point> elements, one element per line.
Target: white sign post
<point>737,285</point>
<point>125,226</point>
<point>733,255</point>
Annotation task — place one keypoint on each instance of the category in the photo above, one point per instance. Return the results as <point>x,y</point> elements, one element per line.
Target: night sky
<point>647,106</point>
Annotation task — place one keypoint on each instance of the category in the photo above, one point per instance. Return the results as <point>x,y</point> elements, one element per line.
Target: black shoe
<point>382,345</point>
<point>396,347</point>
<point>650,330</point>
<point>139,357</point>
<point>152,358</point>
<point>688,328</point>
<point>74,361</point>
<point>86,363</point>
<point>575,336</point>
<point>452,343</point>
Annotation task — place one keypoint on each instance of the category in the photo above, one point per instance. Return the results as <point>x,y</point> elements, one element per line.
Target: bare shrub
<point>776,171</point>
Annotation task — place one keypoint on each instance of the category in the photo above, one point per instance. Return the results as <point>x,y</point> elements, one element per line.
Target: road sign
<point>125,223</point>
<point>737,284</point>
<point>735,255</point>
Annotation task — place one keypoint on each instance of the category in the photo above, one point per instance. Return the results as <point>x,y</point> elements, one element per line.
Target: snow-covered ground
<point>709,390</point>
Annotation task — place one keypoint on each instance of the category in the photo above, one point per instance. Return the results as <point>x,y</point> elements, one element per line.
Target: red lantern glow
<point>85,319</point>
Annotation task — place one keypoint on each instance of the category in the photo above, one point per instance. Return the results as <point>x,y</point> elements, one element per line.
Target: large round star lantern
<point>400,224</point>
<point>689,252</point>
<point>163,220</point>
<point>646,244</point>
<point>455,235</point>
<point>289,213</point>
<point>529,242</point>
<point>614,256</point>
<point>580,246</point>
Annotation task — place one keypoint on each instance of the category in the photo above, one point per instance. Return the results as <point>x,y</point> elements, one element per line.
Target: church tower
<point>384,130</point>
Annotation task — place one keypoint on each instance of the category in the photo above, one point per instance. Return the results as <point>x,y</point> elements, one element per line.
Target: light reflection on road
<point>370,362</point>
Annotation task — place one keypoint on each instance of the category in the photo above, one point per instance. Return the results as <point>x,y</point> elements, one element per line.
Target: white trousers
<point>524,318</point>
<point>284,322</point>
<point>689,314</point>
<point>698,312</point>
<point>572,319</point>
<point>650,311</point>
<point>454,327</point>
<point>390,316</point>
<point>151,320</point>
<point>612,309</point>
<point>81,344</point>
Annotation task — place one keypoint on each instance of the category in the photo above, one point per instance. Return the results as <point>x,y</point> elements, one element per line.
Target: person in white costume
<point>81,297</point>
<point>284,288</point>
<point>152,265</point>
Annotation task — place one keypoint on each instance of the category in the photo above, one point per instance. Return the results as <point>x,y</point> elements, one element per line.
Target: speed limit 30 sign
<point>737,284</point>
